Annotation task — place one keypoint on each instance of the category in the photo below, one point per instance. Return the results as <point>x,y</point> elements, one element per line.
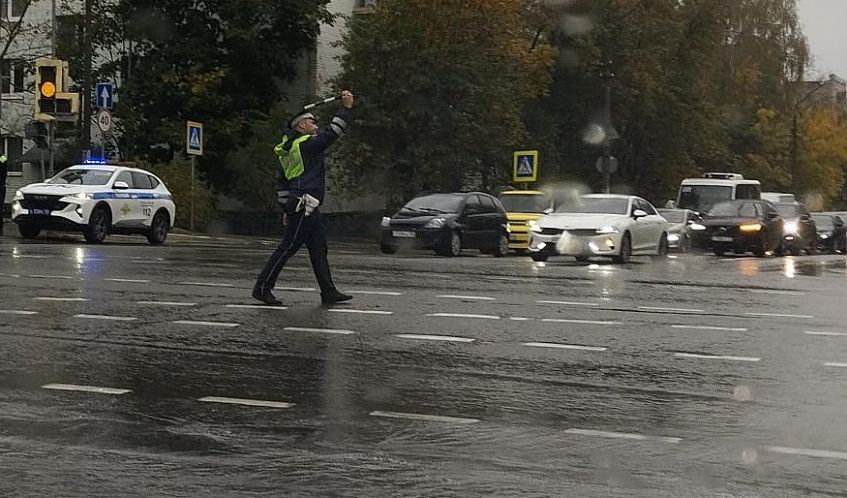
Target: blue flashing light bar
<point>95,160</point>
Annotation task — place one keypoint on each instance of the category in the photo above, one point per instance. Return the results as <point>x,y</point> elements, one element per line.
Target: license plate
<point>40,211</point>
<point>721,239</point>
<point>403,234</point>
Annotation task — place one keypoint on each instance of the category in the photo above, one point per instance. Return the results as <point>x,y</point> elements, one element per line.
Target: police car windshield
<point>79,176</point>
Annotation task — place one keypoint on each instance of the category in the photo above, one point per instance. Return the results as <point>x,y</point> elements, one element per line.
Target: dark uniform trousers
<point>299,229</point>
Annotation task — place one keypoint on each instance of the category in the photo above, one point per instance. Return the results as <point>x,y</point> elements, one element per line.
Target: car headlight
<point>750,227</point>
<point>824,235</point>
<point>673,237</point>
<point>534,227</point>
<point>607,230</point>
<point>386,222</point>
<point>82,195</point>
<point>698,227</point>
<point>19,196</point>
<point>790,227</point>
<point>435,223</point>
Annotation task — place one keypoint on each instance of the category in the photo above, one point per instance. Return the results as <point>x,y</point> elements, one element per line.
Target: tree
<point>443,86</point>
<point>820,177</point>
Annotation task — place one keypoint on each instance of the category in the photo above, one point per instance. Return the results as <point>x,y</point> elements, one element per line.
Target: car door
<point>491,222</point>
<point>143,187</point>
<point>125,206</point>
<point>644,232</point>
<point>474,221</point>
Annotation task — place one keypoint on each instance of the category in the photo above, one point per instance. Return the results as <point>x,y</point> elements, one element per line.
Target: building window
<point>13,147</point>
<point>12,9</point>
<point>11,76</point>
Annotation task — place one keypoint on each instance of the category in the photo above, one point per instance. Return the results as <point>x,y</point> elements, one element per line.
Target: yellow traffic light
<point>48,89</point>
<point>52,99</point>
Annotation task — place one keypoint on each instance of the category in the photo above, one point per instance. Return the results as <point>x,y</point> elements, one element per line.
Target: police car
<point>96,199</point>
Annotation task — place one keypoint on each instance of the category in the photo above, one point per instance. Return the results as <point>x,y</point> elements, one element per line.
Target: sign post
<point>194,147</point>
<point>525,166</point>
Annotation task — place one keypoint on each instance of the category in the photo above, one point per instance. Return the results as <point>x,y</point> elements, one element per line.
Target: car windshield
<point>788,210</point>
<point>78,176</point>
<point>599,205</point>
<point>734,209</point>
<point>701,198</point>
<point>823,221</point>
<point>673,216</point>
<point>524,203</point>
<point>436,203</point>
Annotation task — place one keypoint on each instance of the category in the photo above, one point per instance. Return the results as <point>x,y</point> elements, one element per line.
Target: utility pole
<point>86,86</point>
<point>608,164</point>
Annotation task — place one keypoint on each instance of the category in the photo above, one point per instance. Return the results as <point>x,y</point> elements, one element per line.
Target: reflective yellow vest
<point>291,160</point>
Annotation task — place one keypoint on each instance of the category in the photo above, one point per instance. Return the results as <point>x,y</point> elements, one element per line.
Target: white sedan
<point>96,199</point>
<point>608,225</point>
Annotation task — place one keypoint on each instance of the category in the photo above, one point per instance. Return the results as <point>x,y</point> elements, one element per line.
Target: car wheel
<point>29,231</point>
<point>663,249</point>
<point>626,250</point>
<point>539,256</point>
<point>98,226</point>
<point>387,248</point>
<point>454,245</point>
<point>502,248</point>
<point>159,229</point>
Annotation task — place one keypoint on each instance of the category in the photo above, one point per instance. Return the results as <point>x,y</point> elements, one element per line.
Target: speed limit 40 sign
<point>104,120</point>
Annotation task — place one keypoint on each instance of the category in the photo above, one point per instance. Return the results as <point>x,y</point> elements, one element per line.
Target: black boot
<point>265,296</point>
<point>334,296</point>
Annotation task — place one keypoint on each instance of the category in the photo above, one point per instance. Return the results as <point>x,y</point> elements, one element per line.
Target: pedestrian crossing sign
<point>194,138</point>
<point>525,166</point>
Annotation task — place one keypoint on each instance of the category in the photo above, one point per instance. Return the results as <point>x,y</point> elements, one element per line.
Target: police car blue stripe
<point>121,195</point>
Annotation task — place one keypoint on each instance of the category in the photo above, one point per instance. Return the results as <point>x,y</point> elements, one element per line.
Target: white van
<point>700,194</point>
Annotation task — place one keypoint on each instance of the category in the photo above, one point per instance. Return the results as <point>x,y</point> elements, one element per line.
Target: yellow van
<point>523,206</point>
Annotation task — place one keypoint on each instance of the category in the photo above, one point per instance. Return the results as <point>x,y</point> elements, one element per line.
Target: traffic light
<point>52,100</point>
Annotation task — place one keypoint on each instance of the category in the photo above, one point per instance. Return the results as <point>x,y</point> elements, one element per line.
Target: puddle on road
<point>809,267</point>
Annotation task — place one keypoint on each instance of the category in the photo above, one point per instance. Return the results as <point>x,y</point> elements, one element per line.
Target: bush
<point>177,176</point>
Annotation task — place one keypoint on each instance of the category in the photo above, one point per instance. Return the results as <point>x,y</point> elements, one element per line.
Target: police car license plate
<point>403,234</point>
<point>45,212</point>
<point>719,238</point>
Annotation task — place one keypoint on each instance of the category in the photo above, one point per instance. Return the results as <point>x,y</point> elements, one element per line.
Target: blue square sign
<point>104,96</point>
<point>194,138</point>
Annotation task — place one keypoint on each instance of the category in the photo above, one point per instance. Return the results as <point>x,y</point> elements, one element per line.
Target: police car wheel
<point>98,226</point>
<point>158,229</point>
<point>29,231</point>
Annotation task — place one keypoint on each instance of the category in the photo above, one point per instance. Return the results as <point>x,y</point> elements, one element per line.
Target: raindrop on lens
<point>742,393</point>
<point>749,456</point>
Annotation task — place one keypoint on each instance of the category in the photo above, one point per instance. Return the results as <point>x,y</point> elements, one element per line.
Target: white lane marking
<point>363,312</point>
<point>88,389</point>
<point>563,346</point>
<point>59,277</point>
<point>835,364</point>
<point>710,327</point>
<point>17,312</point>
<point>782,292</point>
<point>206,284</point>
<point>63,299</point>
<point>473,298</point>
<point>324,331</point>
<point>813,332</point>
<point>585,322</point>
<point>425,337</point>
<point>568,303</point>
<point>780,315</point>
<point>464,315</point>
<point>246,402</point>
<point>128,280</point>
<point>421,416</point>
<point>669,310</point>
<point>622,435</point>
<point>716,357</point>
<point>376,293</point>
<point>296,289</point>
<point>520,318</point>
<point>257,306</point>
<point>107,317</point>
<point>807,452</point>
<point>206,324</point>
<point>166,303</point>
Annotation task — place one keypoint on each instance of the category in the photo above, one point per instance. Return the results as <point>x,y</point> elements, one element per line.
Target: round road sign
<point>104,120</point>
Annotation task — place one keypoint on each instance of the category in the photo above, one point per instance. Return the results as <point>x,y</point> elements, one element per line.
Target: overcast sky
<point>823,24</point>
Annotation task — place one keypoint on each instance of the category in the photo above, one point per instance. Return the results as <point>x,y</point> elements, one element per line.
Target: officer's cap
<point>300,117</point>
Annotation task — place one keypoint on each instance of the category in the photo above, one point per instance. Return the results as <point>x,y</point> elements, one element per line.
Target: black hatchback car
<point>741,226</point>
<point>832,232</point>
<point>448,223</point>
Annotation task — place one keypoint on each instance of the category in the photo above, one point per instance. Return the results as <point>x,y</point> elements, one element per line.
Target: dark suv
<point>799,232</point>
<point>448,223</point>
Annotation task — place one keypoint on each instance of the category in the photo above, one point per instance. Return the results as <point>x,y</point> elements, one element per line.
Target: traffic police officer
<point>301,155</point>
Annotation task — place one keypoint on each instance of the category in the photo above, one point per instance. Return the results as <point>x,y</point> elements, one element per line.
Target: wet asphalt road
<point>131,370</point>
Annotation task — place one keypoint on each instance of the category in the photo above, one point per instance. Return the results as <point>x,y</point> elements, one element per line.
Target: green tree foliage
<point>177,176</point>
<point>224,63</point>
<point>823,153</point>
<point>442,86</point>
